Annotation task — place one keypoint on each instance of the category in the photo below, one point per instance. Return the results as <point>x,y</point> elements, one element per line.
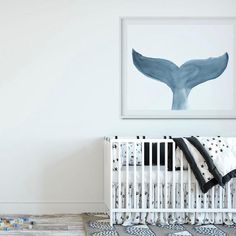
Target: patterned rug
<point>98,225</point>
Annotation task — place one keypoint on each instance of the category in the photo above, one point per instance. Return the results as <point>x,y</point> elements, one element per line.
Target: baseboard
<point>39,208</point>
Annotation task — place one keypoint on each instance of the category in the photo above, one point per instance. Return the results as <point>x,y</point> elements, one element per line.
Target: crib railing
<point>123,172</point>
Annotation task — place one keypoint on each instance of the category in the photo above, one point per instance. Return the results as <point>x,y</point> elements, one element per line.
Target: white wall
<point>59,95</point>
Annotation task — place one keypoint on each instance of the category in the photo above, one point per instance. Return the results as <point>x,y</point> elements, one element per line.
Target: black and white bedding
<point>212,159</point>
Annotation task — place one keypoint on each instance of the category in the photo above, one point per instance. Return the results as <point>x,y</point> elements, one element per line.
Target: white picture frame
<point>177,40</point>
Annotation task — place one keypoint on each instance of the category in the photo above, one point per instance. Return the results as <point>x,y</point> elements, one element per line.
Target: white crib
<point>142,176</point>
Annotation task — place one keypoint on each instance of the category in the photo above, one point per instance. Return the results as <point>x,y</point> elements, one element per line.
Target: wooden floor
<point>53,225</point>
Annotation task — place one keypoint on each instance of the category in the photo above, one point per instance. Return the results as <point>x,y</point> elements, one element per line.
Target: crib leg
<point>111,220</point>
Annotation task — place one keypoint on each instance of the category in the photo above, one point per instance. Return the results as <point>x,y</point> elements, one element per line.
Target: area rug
<point>98,225</point>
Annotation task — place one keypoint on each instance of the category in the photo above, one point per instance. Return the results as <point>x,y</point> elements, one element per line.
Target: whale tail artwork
<point>181,80</point>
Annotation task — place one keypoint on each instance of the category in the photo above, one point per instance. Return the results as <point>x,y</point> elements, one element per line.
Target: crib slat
<point>221,193</point>
<point>213,197</point>
<point>166,165</point>
<point>143,175</point>
<point>119,175</point>
<point>135,156</point>
<point>228,195</point>
<point>234,195</point>
<point>189,186</point>
<point>109,154</point>
<point>212,200</point>
<point>181,181</point>
<point>173,170</point>
<point>158,174</point>
<point>127,176</point>
<point>204,200</point>
<point>197,195</point>
<point>150,175</point>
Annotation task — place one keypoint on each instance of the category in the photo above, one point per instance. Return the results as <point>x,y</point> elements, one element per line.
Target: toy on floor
<point>8,223</point>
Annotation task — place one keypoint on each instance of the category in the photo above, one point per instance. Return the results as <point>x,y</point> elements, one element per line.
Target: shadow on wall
<point>75,178</point>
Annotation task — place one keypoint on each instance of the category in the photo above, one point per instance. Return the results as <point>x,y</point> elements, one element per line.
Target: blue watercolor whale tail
<point>181,79</point>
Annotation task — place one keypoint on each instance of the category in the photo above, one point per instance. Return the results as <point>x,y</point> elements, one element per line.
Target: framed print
<point>178,67</point>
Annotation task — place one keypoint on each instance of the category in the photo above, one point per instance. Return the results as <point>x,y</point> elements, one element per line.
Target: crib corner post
<point>111,218</point>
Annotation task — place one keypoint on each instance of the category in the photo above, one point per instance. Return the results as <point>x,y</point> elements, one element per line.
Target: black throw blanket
<point>200,162</point>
